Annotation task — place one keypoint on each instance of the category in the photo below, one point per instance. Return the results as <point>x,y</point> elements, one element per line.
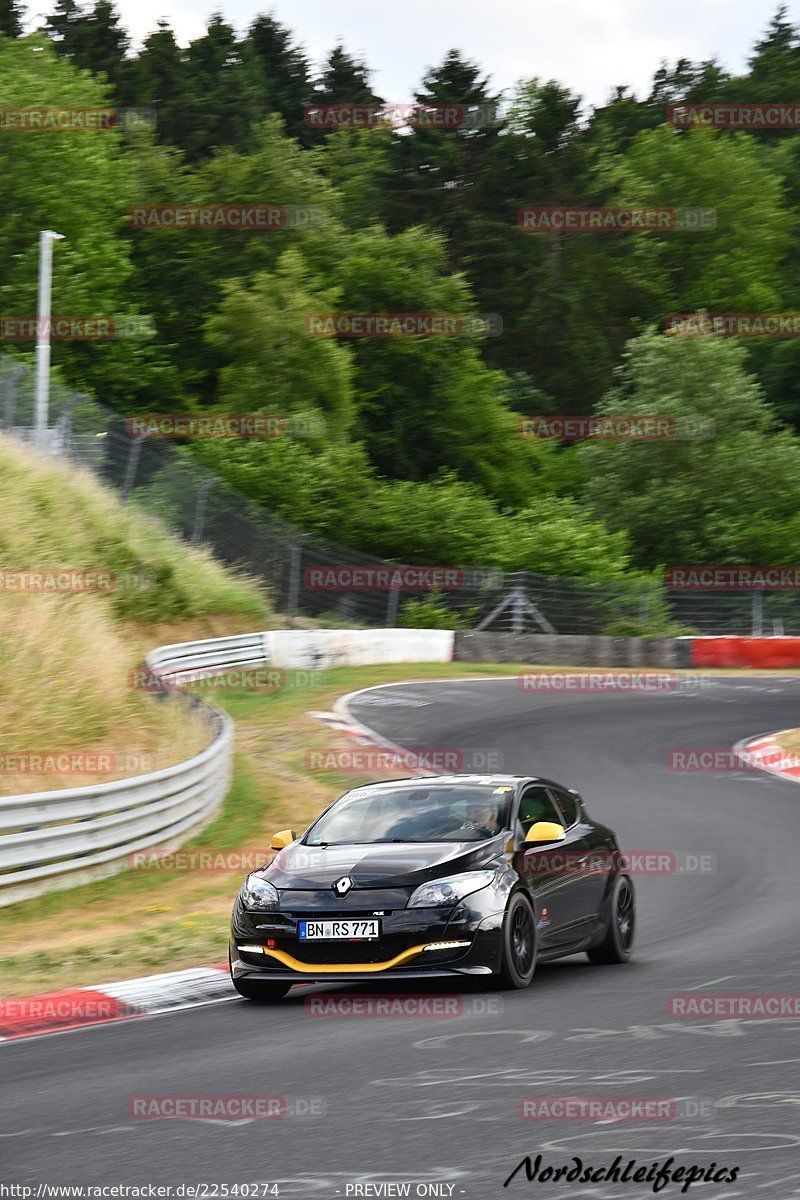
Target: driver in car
<point>481,818</point>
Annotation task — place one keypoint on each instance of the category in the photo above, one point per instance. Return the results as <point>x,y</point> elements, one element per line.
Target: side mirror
<point>283,839</point>
<point>545,831</point>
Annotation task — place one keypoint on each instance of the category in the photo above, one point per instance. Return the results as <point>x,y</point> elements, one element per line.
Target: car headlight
<point>258,893</point>
<point>449,891</point>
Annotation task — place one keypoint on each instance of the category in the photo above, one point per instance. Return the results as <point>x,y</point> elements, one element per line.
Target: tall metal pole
<point>758,614</point>
<point>46,239</point>
<point>295,565</point>
<point>134,454</point>
<point>200,508</point>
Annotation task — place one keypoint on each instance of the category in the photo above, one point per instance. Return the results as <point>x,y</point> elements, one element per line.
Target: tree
<point>776,55</point>
<point>429,402</point>
<point>357,163</point>
<point>182,272</point>
<point>79,184</point>
<point>215,115</point>
<point>442,173</point>
<point>11,18</point>
<point>278,73</point>
<point>260,329</point>
<point>344,80</point>
<point>157,78</point>
<point>92,39</point>
<point>730,176</point>
<point>733,497</point>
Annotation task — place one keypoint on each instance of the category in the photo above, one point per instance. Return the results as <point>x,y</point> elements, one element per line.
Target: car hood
<point>401,864</point>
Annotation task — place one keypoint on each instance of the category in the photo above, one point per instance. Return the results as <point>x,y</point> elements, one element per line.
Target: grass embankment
<point>65,656</point>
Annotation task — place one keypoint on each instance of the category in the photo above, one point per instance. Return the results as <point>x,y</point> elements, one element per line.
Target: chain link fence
<point>314,578</point>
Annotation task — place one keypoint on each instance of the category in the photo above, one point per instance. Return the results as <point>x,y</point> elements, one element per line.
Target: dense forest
<point>414,450</point>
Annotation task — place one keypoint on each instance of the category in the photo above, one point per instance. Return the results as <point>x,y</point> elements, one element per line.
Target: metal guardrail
<point>62,838</point>
<point>194,659</point>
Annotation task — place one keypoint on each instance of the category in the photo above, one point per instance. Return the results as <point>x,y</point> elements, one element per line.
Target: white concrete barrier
<point>318,649</point>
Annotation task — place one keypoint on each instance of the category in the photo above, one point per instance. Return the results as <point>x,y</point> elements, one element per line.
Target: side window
<point>567,805</point>
<point>536,805</point>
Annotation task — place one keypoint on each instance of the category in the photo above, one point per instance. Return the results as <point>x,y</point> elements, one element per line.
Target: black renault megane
<point>458,875</point>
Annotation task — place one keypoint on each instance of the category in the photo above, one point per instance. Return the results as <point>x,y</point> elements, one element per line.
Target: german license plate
<point>336,931</point>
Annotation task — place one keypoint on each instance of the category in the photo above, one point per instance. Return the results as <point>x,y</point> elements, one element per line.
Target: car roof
<point>449,780</point>
<point>465,777</point>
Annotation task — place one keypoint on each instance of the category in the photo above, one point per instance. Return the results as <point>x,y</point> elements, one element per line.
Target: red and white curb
<point>343,721</point>
<point>766,754</point>
<point>75,1008</point>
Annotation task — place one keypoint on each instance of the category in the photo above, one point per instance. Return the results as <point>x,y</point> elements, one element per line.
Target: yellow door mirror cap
<point>545,831</point>
<point>283,839</point>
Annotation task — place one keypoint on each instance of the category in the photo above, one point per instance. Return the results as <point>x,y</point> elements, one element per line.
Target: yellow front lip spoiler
<point>343,968</point>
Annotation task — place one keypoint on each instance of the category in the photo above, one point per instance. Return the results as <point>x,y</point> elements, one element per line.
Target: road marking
<point>709,982</point>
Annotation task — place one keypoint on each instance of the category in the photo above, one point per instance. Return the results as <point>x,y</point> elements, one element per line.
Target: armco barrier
<point>194,658</point>
<point>58,839</point>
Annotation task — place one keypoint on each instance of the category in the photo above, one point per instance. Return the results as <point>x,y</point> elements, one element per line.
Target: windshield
<point>457,813</point>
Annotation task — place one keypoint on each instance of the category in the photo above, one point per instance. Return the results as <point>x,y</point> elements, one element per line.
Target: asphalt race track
<point>435,1101</point>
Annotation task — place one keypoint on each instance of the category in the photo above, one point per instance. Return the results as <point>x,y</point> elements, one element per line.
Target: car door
<point>548,870</point>
<point>589,863</point>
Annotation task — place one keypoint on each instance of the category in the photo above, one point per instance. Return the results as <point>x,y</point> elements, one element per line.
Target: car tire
<point>617,943</point>
<point>260,989</point>
<point>518,956</point>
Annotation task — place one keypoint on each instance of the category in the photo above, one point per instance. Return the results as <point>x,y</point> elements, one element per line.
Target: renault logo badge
<point>343,885</point>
